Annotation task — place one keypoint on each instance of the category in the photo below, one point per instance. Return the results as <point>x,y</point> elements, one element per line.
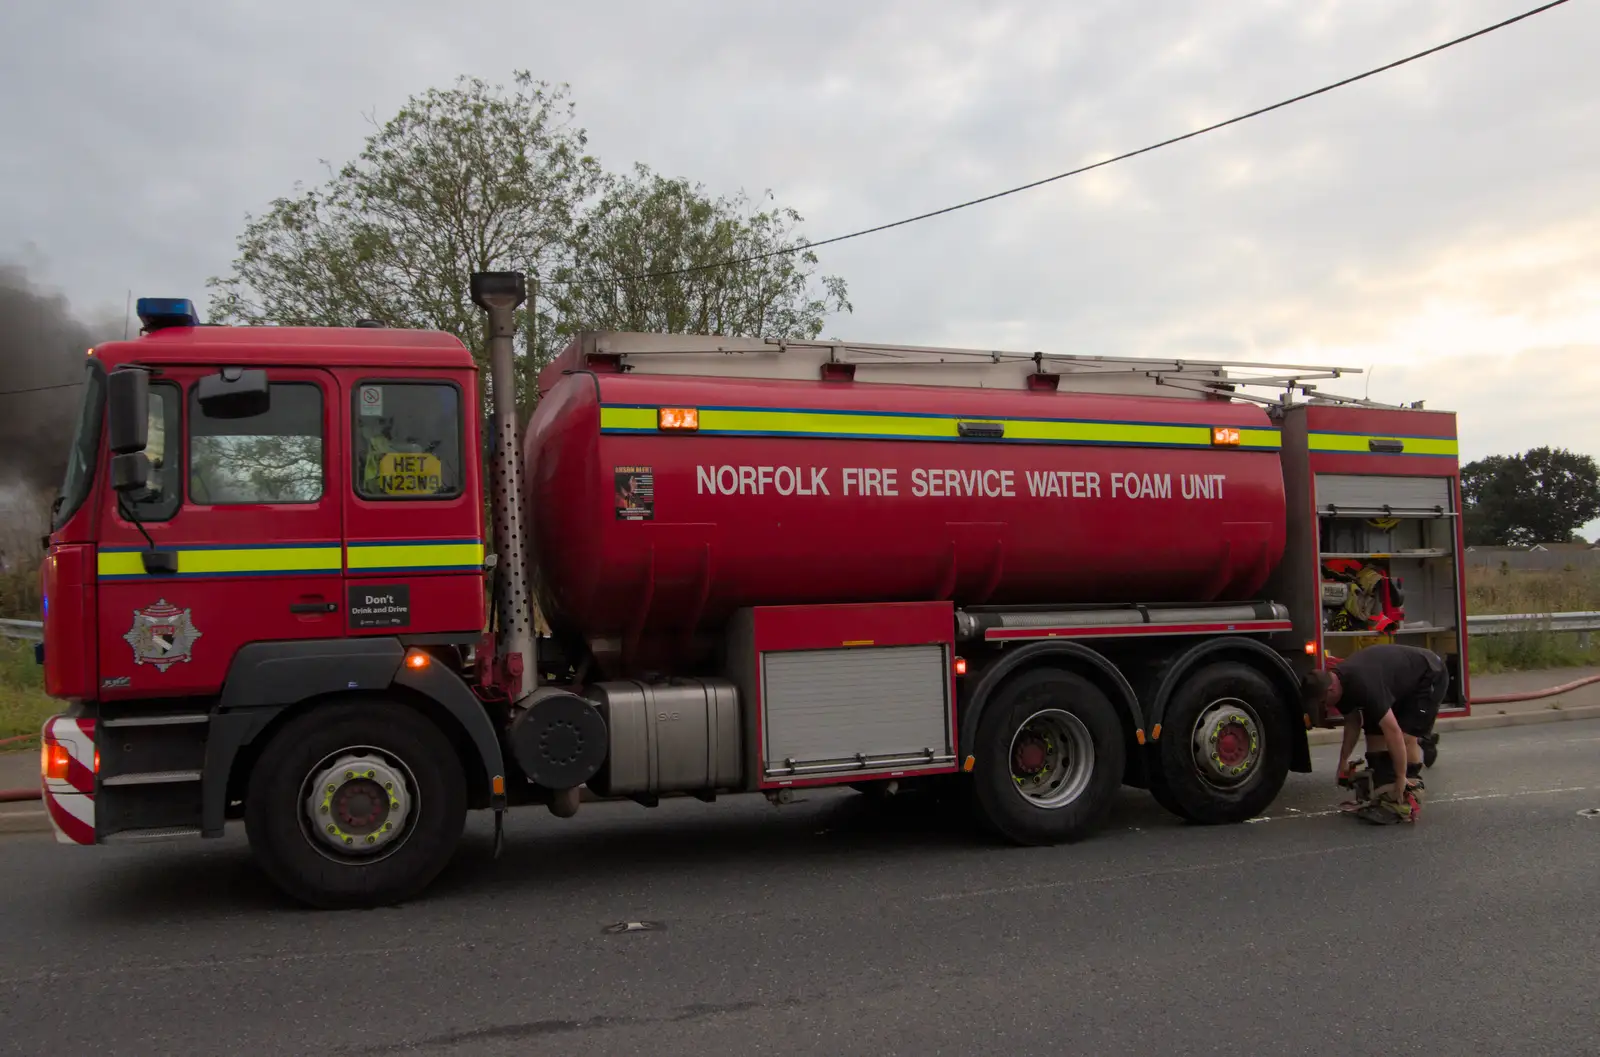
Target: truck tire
<point>316,812</point>
<point>1050,758</point>
<point>1223,754</point>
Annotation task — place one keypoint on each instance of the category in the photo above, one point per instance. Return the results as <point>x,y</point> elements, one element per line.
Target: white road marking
<point>1427,802</point>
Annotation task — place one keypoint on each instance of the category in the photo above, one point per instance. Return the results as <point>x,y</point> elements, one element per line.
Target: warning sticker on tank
<point>636,493</point>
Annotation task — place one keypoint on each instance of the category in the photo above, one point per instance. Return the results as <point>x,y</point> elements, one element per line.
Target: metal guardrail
<point>1481,624</point>
<point>32,630</point>
<point>1508,623</point>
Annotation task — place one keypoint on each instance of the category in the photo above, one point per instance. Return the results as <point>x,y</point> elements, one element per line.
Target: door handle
<point>312,607</point>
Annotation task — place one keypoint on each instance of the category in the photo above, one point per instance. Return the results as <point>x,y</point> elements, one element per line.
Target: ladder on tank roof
<point>1206,377</point>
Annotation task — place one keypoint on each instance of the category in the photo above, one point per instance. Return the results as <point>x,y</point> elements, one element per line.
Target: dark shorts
<point>1417,712</point>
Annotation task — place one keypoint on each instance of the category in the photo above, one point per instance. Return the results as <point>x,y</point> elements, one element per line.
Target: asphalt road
<point>833,926</point>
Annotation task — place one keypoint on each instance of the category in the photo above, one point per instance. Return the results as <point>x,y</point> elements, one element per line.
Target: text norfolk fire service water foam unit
<point>948,482</point>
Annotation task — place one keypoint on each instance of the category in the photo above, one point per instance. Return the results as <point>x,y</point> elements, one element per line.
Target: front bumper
<point>67,778</point>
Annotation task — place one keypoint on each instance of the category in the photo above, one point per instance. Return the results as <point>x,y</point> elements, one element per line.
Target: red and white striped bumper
<point>69,800</point>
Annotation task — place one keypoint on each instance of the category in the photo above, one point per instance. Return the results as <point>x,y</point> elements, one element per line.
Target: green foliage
<point>477,178</point>
<point>23,704</point>
<point>460,180</point>
<point>647,224</point>
<point>1500,590</point>
<point>1540,496</point>
<point>19,593</point>
<point>1531,650</point>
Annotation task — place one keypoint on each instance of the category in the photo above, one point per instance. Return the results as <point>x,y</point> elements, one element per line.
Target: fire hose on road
<point>10,796</point>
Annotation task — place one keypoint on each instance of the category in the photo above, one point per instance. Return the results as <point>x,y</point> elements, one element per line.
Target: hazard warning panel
<point>636,493</point>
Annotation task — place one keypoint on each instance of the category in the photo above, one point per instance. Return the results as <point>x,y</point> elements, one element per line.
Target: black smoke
<point>42,349</point>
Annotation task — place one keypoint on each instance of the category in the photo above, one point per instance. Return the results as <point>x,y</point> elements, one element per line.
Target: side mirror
<point>127,410</point>
<point>130,471</point>
<point>234,392</point>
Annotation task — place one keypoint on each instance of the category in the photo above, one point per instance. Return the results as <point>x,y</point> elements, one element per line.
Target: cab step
<point>170,719</point>
<point>152,778</point>
<point>149,836</point>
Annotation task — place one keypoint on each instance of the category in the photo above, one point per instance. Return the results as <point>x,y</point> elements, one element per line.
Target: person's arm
<point>1352,734</point>
<point>1395,739</point>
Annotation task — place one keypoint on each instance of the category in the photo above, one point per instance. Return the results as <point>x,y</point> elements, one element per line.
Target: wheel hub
<point>1031,754</point>
<point>1052,758</point>
<point>1227,742</point>
<point>358,804</point>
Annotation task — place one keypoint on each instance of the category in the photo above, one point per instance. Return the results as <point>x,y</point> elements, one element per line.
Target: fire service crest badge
<point>161,635</point>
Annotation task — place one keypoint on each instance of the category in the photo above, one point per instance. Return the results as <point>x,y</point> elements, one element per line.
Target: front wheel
<point>1223,754</point>
<point>1050,758</point>
<point>356,805</point>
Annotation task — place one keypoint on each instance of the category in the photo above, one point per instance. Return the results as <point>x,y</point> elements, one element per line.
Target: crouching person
<point>1392,694</point>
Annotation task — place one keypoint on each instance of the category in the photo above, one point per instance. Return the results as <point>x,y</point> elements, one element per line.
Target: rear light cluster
<point>55,760</point>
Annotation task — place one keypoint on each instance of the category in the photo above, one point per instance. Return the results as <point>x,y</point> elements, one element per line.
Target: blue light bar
<point>158,313</point>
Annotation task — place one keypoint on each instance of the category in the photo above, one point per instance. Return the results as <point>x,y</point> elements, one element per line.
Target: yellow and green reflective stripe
<point>292,559</point>
<point>1360,444</point>
<point>871,425</point>
<point>415,556</point>
<point>235,560</point>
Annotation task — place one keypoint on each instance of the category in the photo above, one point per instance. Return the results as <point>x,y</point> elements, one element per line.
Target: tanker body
<point>796,492</point>
<point>1026,579</point>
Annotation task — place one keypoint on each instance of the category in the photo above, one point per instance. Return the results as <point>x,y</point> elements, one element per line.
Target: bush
<point>23,704</point>
<point>19,593</point>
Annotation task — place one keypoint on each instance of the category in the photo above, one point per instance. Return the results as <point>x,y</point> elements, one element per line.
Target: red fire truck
<point>760,565</point>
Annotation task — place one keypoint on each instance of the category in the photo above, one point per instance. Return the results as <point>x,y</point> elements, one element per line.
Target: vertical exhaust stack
<point>499,294</point>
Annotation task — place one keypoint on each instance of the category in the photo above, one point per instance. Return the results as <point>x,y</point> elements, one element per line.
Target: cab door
<point>414,511</point>
<point>246,521</point>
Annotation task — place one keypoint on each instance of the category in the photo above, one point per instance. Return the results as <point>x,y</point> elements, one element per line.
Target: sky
<point>1438,225</point>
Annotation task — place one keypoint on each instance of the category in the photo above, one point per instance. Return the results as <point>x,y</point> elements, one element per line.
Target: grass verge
<point>1520,591</point>
<point>23,704</point>
<point>1532,650</point>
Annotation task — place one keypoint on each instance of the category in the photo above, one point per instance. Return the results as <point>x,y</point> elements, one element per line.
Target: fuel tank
<point>648,534</point>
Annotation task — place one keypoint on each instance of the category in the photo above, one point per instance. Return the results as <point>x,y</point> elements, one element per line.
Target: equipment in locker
<point>1361,596</point>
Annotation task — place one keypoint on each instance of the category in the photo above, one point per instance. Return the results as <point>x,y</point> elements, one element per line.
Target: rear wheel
<point>1050,758</point>
<point>1223,754</point>
<point>356,805</point>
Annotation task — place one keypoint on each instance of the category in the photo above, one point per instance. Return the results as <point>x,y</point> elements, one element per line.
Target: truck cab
<point>236,497</point>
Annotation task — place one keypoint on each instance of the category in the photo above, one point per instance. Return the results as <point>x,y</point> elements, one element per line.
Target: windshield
<point>85,446</point>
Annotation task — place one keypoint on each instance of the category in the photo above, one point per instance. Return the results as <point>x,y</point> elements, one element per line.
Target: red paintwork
<point>647,584</point>
<point>831,627</point>
<point>231,610</point>
<point>1379,422</point>
<point>69,621</point>
<point>397,351</point>
<point>1136,630</point>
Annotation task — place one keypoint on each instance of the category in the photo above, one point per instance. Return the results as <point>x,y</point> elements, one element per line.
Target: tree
<point>474,178</point>
<point>646,224</point>
<point>460,180</point>
<point>1540,496</point>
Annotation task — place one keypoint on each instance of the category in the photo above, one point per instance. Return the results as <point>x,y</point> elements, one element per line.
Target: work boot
<point>1386,811</point>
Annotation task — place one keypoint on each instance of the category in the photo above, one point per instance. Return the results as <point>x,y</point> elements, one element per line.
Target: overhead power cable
<point>787,250</point>
<point>41,388</point>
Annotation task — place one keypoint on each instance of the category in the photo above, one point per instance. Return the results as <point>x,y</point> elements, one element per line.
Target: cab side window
<point>407,440</point>
<point>273,457</point>
<point>163,492</point>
